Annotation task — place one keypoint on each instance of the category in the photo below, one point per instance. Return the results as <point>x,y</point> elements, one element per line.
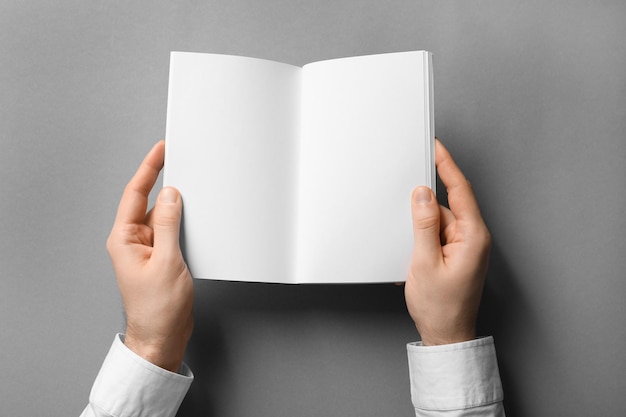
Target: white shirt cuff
<point>454,376</point>
<point>129,385</point>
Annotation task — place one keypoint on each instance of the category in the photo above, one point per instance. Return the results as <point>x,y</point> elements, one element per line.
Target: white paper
<point>230,141</point>
<point>363,147</point>
<point>278,191</point>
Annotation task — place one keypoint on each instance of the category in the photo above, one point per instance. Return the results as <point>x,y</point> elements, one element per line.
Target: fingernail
<point>422,195</point>
<point>168,195</point>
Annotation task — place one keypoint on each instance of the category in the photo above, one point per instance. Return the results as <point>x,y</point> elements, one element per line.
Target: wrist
<point>164,355</point>
<point>435,339</point>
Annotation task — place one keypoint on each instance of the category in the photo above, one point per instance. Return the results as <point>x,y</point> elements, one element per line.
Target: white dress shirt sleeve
<point>128,385</point>
<point>459,379</point>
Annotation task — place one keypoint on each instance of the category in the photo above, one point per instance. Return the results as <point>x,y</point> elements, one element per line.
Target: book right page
<point>366,142</point>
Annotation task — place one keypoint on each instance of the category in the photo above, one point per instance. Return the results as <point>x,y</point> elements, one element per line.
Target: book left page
<point>231,141</point>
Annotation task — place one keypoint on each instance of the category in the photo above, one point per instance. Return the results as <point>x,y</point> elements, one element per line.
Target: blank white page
<point>232,126</point>
<point>366,143</point>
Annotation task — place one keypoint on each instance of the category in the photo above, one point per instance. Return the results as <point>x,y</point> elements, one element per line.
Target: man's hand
<point>450,257</point>
<point>156,287</point>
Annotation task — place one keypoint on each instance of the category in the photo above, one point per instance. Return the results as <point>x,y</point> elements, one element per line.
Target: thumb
<point>166,221</point>
<point>426,219</point>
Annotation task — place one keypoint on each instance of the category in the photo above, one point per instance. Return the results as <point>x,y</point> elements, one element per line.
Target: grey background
<point>530,99</point>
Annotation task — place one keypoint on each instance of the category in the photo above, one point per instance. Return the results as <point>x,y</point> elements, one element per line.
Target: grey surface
<point>530,98</point>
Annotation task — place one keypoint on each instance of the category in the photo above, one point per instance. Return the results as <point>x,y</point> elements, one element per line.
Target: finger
<point>461,198</point>
<point>447,217</point>
<point>148,219</point>
<point>426,218</point>
<point>166,222</point>
<point>446,227</point>
<point>132,208</point>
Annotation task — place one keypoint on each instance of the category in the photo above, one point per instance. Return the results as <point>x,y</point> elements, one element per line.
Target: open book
<point>299,174</point>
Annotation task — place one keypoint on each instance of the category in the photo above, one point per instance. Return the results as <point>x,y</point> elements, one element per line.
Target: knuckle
<point>488,238</point>
<point>111,242</point>
<point>166,219</point>
<point>479,236</point>
<point>483,238</point>
<point>166,216</point>
<point>425,222</point>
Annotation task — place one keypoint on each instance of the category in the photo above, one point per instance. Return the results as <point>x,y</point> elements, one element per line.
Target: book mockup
<point>299,174</point>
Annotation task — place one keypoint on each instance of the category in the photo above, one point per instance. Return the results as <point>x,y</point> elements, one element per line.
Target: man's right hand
<point>451,252</point>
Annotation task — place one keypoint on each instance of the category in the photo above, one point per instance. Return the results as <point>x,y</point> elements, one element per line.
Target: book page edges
<point>429,105</point>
